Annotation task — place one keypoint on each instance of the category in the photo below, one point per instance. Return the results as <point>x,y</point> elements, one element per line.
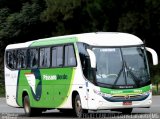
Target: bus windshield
<point>124,67</point>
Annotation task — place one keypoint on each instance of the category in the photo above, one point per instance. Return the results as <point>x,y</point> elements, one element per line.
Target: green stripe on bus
<point>126,91</point>
<point>53,41</point>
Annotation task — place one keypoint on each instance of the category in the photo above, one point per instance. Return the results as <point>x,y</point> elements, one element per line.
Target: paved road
<point>7,112</point>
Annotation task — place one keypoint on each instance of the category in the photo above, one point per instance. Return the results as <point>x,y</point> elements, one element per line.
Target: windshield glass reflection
<point>121,66</point>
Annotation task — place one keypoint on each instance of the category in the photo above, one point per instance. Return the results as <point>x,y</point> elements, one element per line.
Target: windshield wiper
<point>136,80</point>
<point>127,70</point>
<point>119,74</point>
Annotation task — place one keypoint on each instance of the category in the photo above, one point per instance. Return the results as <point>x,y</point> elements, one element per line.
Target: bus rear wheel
<point>79,112</point>
<point>29,111</point>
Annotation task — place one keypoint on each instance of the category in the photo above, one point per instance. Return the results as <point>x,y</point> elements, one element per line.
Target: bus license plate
<point>127,103</point>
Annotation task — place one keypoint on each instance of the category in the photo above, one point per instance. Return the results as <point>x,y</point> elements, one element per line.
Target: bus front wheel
<point>78,107</point>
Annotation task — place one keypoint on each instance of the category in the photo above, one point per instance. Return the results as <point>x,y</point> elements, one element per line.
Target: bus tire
<point>29,111</point>
<point>79,112</point>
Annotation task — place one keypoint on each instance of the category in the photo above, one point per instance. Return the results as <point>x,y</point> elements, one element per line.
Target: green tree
<point>155,76</point>
<point>60,14</point>
<point>16,26</point>
<point>18,23</point>
<point>75,16</point>
<point>156,81</point>
<point>133,22</point>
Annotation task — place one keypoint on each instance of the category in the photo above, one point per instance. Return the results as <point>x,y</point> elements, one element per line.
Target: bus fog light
<point>150,101</point>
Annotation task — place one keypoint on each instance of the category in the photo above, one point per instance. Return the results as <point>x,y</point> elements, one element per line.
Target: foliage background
<point>25,20</point>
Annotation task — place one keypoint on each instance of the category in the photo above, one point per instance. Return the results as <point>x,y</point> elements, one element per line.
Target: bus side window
<point>32,58</point>
<point>21,58</point>
<point>57,56</point>
<point>14,59</point>
<point>70,59</point>
<point>45,57</point>
<point>54,57</point>
<point>9,59</point>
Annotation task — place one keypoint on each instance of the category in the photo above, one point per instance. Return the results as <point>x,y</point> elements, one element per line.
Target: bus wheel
<point>27,108</point>
<point>78,107</point>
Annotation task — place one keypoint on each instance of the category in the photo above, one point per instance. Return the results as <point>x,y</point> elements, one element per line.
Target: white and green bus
<point>81,72</point>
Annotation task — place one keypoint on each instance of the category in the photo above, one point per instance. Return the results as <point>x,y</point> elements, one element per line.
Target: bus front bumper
<point>125,104</point>
<point>102,104</point>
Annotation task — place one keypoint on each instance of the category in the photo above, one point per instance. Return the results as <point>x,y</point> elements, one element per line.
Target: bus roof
<point>96,39</point>
<point>110,39</point>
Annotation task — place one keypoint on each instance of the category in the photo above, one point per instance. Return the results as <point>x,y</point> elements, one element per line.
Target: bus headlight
<point>146,93</point>
<point>102,94</point>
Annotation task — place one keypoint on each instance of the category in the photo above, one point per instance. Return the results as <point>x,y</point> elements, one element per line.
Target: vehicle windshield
<point>121,67</point>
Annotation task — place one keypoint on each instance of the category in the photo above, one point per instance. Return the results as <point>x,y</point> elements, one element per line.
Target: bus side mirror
<point>154,55</point>
<point>92,58</point>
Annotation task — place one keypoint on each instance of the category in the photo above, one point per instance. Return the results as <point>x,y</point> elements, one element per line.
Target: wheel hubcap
<point>78,107</point>
<point>26,106</point>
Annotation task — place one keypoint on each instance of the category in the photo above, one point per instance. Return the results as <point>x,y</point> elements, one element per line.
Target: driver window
<point>85,61</point>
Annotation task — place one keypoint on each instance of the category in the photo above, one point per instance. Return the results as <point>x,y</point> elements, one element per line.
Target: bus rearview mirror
<point>154,55</point>
<point>92,58</point>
